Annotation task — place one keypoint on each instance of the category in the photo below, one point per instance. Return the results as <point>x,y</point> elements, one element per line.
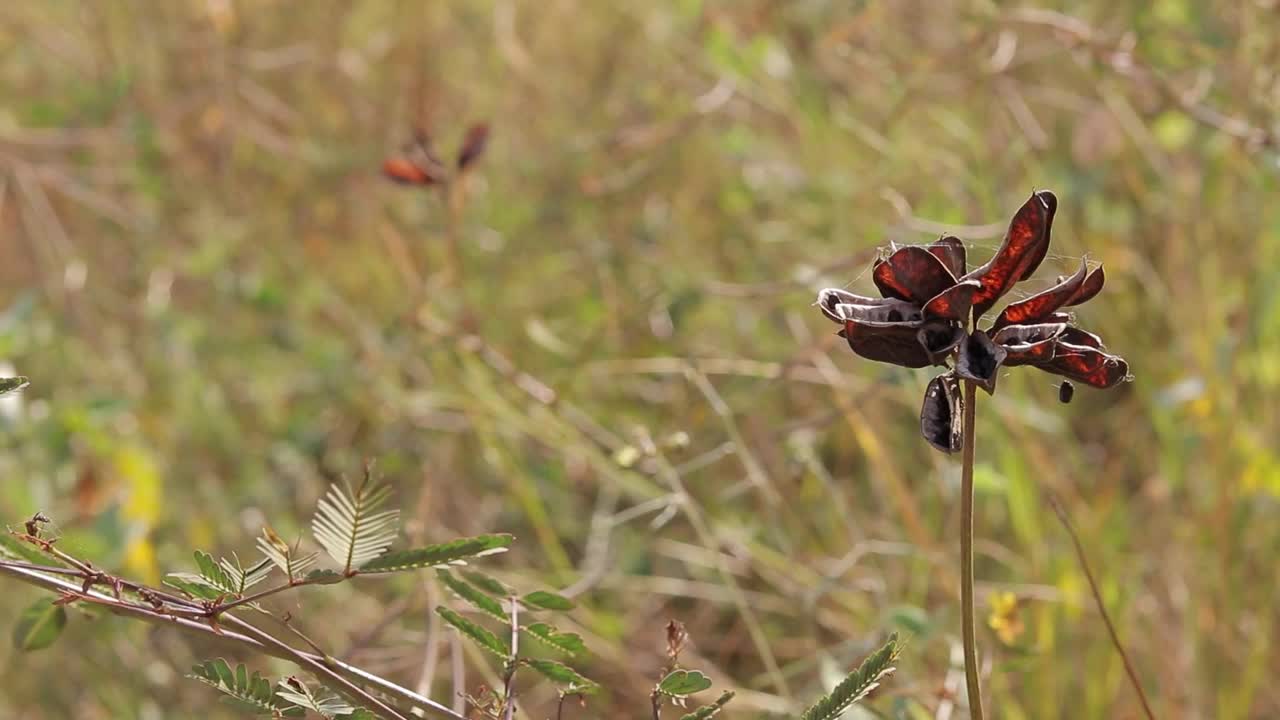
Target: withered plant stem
<point>454,201</point>
<point>966,554</point>
<point>1102,608</point>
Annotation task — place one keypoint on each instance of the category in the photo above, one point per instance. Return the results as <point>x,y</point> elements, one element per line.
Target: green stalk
<point>966,554</point>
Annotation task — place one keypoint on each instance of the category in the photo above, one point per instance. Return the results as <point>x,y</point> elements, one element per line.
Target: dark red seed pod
<point>406,172</point>
<point>473,145</point>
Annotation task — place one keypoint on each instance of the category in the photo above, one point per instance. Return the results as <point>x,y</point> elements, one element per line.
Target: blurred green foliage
<point>222,307</point>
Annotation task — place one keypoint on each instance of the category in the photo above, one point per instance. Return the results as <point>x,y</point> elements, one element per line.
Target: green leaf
<point>218,578</point>
<point>214,573</point>
<point>436,555</point>
<point>350,526</point>
<point>39,625</point>
<point>193,585</point>
<point>242,579</point>
<point>283,556</point>
<point>479,600</point>
<point>709,711</point>
<point>251,693</point>
<point>224,674</point>
<point>478,634</point>
<point>566,642</point>
<point>13,384</point>
<point>679,683</point>
<point>544,600</point>
<point>489,584</point>
<point>858,684</point>
<point>323,702</point>
<point>571,682</point>
<point>324,577</point>
<point>12,547</point>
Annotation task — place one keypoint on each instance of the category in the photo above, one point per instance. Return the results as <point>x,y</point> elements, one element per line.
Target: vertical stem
<point>966,554</point>
<point>431,654</point>
<point>513,662</point>
<point>1102,607</point>
<point>459,671</point>
<point>453,210</point>
<point>452,192</point>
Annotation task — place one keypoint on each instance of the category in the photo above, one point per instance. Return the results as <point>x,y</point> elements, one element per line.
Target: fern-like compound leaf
<point>544,600</point>
<point>219,578</point>
<point>322,702</point>
<point>351,528</point>
<point>215,575</point>
<point>472,595</point>
<point>710,711</point>
<point>441,555</point>
<point>251,693</point>
<point>569,680</point>
<point>477,634</point>
<point>487,583</point>
<point>244,578</point>
<point>284,556</point>
<point>566,642</point>
<point>858,684</point>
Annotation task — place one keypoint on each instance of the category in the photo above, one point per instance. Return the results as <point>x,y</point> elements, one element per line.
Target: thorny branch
<point>204,618</point>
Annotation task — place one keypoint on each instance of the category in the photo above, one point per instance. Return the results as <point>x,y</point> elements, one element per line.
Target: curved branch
<point>45,578</point>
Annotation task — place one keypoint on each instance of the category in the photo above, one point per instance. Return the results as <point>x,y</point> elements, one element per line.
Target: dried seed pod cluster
<point>931,304</point>
<point>420,165</point>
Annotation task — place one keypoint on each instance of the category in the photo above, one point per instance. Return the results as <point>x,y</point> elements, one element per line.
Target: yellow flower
<point>1005,619</point>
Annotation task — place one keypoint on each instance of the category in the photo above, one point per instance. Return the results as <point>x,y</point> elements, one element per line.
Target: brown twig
<point>287,622</point>
<point>459,672</point>
<point>43,568</point>
<point>318,666</point>
<point>190,619</point>
<point>1097,600</point>
<point>219,608</point>
<point>513,662</point>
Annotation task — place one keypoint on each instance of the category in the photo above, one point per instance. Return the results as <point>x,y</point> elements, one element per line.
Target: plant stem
<point>1102,608</point>
<point>513,662</point>
<point>177,617</point>
<point>452,194</point>
<point>318,667</point>
<point>966,554</point>
<point>233,604</point>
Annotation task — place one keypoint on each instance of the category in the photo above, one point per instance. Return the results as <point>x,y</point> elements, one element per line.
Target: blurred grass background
<point>223,307</point>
